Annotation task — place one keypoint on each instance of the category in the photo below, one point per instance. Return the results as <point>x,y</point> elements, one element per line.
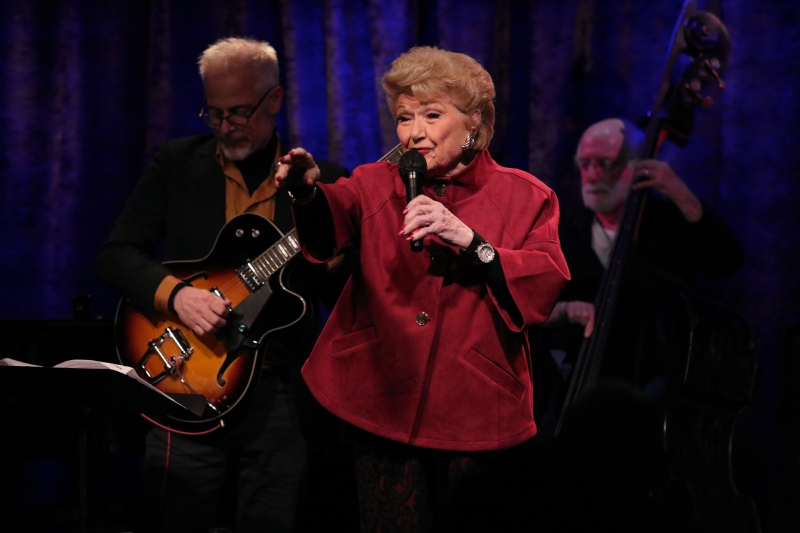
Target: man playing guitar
<point>192,189</point>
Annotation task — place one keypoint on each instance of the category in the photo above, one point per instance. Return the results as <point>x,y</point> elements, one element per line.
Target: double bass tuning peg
<point>693,89</point>
<point>713,65</point>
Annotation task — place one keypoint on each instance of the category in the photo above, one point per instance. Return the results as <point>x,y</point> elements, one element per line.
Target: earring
<point>470,142</point>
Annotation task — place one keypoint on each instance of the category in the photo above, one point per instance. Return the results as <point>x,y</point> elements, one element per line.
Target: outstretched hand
<point>660,176</point>
<point>424,216</point>
<point>300,160</point>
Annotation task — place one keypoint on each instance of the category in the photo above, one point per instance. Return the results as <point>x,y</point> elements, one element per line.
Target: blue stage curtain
<point>88,89</point>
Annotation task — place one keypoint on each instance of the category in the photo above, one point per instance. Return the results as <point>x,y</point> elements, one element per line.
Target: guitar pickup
<point>171,337</point>
<point>250,276</point>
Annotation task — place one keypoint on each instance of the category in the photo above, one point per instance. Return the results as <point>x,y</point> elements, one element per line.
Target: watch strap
<point>302,194</point>
<point>471,252</point>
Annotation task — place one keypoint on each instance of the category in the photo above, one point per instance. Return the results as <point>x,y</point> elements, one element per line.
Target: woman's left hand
<point>425,216</point>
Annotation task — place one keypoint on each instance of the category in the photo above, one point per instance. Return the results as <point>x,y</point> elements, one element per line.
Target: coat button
<point>422,318</point>
<point>438,259</point>
<point>440,189</point>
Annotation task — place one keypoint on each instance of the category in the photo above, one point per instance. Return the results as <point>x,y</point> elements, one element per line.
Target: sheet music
<point>93,365</point>
<point>14,362</point>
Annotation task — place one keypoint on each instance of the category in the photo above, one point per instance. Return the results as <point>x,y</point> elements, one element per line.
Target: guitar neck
<point>278,254</point>
<point>255,273</point>
<point>393,155</point>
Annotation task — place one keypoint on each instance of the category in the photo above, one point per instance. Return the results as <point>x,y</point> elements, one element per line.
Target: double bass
<point>706,350</point>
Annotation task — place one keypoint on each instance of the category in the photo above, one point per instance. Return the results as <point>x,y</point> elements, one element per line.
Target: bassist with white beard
<point>678,238</point>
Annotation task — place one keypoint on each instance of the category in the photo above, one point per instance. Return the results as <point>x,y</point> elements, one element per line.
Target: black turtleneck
<point>256,167</point>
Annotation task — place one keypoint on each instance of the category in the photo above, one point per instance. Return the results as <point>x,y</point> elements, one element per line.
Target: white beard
<point>604,198</point>
<point>236,153</point>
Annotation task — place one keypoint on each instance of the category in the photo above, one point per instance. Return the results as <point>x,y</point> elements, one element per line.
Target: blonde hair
<point>427,73</point>
<point>237,53</point>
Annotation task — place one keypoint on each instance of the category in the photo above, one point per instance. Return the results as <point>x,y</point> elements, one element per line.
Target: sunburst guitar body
<point>250,266</point>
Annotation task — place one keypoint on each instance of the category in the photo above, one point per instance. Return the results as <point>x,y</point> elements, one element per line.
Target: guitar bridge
<point>160,346</point>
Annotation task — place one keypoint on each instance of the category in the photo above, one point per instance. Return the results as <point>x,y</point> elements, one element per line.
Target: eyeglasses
<point>214,119</point>
<point>606,164</point>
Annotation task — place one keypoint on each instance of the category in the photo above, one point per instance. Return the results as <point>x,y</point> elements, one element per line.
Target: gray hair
<point>633,142</point>
<point>236,53</point>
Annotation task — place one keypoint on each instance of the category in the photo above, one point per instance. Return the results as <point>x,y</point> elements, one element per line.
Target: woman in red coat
<point>427,352</point>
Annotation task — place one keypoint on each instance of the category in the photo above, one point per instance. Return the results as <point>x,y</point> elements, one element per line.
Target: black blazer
<point>669,247</point>
<point>670,250</point>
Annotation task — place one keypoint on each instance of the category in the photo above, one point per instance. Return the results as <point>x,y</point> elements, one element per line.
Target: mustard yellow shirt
<point>238,200</point>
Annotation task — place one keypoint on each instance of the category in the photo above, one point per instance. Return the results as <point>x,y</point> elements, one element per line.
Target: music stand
<point>87,390</point>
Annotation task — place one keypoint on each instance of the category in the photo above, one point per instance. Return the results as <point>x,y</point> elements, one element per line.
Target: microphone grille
<point>413,161</point>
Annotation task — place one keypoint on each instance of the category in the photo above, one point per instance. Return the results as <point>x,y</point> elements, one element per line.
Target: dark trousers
<point>404,488</point>
<point>246,477</point>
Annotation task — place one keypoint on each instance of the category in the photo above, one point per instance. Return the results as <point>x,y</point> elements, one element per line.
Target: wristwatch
<point>485,252</point>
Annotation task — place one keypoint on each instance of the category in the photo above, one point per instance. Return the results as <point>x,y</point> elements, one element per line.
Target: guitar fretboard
<point>276,256</point>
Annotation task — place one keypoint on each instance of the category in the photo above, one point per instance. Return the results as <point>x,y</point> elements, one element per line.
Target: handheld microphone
<point>413,168</point>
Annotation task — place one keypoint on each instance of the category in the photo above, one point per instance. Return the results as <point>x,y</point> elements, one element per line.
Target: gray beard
<point>617,194</point>
<point>238,153</point>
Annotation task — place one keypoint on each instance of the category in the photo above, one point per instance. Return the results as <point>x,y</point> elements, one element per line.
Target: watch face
<point>485,252</point>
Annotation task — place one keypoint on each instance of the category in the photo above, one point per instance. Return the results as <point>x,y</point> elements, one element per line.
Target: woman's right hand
<point>299,160</point>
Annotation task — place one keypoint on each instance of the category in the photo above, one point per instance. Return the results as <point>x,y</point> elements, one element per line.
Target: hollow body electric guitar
<point>250,264</point>
<point>168,355</point>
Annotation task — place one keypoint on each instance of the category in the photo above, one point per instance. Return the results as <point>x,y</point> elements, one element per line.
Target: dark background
<point>90,88</point>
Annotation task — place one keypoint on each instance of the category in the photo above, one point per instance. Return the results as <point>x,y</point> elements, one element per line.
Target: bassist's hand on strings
<point>575,312</point>
<point>201,310</point>
<point>660,176</point>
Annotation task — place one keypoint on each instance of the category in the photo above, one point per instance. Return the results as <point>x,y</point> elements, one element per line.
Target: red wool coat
<point>417,349</point>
